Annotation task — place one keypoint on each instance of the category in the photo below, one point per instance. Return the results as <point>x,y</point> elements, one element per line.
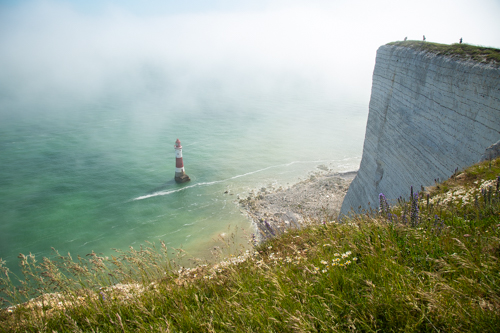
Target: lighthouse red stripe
<point>179,163</point>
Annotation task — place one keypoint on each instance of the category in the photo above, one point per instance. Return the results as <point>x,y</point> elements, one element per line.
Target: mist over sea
<point>96,173</point>
<point>91,104</point>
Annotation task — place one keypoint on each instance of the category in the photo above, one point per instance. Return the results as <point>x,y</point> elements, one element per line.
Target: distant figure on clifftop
<point>406,38</point>
<point>424,38</point>
<point>460,40</point>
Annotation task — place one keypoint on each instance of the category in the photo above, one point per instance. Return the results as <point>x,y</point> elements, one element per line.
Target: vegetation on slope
<point>430,263</point>
<point>461,51</point>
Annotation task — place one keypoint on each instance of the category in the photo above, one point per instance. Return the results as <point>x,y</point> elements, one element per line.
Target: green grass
<point>440,273</point>
<point>460,51</point>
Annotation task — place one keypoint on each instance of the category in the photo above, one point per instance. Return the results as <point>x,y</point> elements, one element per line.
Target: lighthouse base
<point>181,177</point>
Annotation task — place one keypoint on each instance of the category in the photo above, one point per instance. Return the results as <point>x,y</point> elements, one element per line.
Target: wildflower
<point>336,255</point>
<point>316,268</point>
<point>347,262</point>
<point>9,310</point>
<point>268,226</point>
<point>270,247</point>
<point>354,259</point>
<point>414,218</point>
<point>326,245</point>
<point>384,205</point>
<point>324,270</point>
<point>324,262</point>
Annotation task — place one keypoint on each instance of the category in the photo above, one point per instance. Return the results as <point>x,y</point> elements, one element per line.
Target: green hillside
<point>428,264</point>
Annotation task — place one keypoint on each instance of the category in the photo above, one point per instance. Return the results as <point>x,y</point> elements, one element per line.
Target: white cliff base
<point>428,116</point>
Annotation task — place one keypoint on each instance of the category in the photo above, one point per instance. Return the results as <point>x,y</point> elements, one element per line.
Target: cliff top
<point>462,51</point>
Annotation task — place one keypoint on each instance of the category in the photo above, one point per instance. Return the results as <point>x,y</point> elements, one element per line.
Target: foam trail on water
<point>160,193</point>
<point>173,191</point>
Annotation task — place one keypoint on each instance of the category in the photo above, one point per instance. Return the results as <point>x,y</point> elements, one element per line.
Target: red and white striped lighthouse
<point>180,174</point>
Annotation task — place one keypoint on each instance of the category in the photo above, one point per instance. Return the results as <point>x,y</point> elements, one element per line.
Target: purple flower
<point>268,226</point>
<point>414,212</point>
<point>384,205</point>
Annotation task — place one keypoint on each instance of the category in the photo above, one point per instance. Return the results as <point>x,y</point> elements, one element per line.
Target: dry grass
<point>371,273</point>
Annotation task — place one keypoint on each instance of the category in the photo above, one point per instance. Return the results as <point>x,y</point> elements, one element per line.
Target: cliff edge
<point>428,115</point>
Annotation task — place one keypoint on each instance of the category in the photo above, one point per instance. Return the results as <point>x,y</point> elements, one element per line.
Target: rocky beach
<point>317,198</point>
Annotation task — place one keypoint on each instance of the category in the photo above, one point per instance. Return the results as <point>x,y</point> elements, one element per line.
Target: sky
<point>78,46</point>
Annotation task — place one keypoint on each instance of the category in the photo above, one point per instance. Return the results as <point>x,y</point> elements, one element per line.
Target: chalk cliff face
<point>428,116</point>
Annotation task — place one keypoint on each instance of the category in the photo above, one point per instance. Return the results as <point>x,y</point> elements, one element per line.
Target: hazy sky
<point>77,45</point>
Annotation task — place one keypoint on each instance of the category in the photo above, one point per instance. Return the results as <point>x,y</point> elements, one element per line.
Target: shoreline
<point>318,197</point>
<point>271,210</point>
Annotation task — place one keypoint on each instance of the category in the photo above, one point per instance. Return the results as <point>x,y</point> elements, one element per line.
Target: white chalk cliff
<point>428,115</point>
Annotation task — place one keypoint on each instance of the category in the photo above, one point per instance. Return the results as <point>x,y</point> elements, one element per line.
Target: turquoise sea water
<point>97,173</point>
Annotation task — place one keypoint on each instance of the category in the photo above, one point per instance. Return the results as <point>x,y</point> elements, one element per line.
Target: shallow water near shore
<point>85,176</point>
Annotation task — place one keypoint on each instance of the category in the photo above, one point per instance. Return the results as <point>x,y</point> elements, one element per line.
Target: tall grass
<point>428,264</point>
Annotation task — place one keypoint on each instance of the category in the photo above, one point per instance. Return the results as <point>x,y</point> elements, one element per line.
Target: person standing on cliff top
<point>424,38</point>
<point>460,40</point>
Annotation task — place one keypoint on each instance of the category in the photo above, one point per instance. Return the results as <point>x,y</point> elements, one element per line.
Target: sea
<point>95,171</point>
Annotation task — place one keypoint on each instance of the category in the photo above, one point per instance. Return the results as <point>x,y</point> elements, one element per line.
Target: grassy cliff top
<point>461,51</point>
<point>430,263</point>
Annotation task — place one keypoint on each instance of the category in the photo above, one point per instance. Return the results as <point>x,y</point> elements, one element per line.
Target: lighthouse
<point>180,175</point>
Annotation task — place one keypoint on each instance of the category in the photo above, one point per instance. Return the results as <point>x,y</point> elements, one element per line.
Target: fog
<point>93,94</point>
<point>81,49</point>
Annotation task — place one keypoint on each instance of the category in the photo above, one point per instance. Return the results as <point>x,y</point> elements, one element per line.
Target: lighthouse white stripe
<point>179,169</point>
